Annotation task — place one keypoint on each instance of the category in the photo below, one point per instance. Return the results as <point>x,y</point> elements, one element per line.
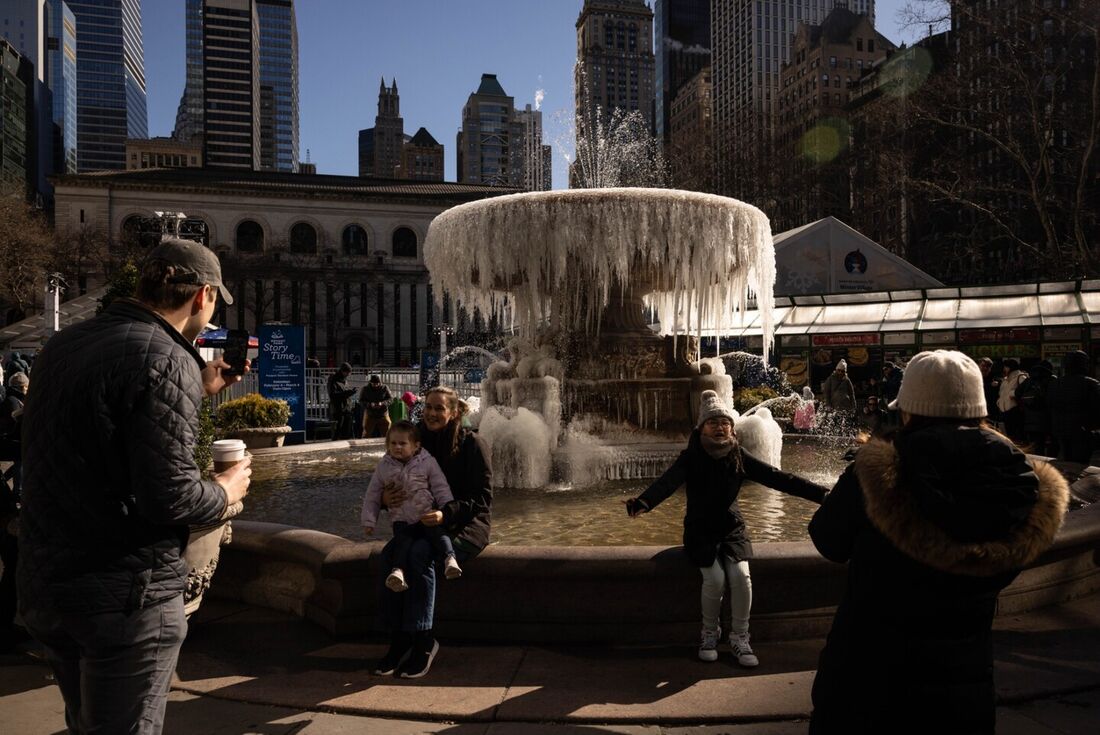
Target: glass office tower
<point>278,85</point>
<point>110,90</point>
<point>61,52</point>
<point>681,40</point>
<point>189,114</point>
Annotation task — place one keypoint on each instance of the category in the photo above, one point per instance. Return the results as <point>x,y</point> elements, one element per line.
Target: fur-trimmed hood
<point>962,500</point>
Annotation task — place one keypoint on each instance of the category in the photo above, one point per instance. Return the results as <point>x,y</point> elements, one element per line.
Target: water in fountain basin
<point>324,491</point>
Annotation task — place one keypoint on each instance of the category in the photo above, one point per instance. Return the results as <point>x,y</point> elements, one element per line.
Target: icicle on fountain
<point>576,270</point>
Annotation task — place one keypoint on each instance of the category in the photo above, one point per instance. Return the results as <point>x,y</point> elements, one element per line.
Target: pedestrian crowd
<point>936,514</point>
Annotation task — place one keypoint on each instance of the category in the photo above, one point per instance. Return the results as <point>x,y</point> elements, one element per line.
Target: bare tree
<point>25,242</point>
<point>1017,109</point>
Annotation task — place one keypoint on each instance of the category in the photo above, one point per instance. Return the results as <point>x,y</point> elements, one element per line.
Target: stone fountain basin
<point>622,595</point>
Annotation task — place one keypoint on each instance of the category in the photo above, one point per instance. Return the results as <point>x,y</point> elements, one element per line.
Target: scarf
<point>718,449</point>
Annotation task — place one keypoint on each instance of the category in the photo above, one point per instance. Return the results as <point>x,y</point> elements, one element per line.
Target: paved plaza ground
<point>249,670</point>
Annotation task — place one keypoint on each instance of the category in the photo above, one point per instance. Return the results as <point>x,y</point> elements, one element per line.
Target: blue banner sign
<point>283,368</point>
<point>429,369</point>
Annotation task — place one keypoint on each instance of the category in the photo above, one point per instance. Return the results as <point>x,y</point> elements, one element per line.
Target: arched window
<point>250,237</point>
<point>404,243</point>
<point>143,232</point>
<point>303,238</point>
<point>195,229</point>
<point>355,240</point>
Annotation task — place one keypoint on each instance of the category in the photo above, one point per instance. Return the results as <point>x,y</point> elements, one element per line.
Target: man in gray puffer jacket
<point>110,487</point>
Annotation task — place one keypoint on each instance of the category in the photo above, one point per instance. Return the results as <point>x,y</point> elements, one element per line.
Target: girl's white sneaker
<point>742,651</point>
<point>396,581</point>
<point>451,569</point>
<point>708,644</point>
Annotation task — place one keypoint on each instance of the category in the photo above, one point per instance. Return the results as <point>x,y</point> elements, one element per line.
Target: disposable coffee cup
<point>227,452</point>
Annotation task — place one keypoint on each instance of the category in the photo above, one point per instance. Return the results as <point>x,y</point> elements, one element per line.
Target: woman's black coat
<point>713,520</point>
<point>931,529</point>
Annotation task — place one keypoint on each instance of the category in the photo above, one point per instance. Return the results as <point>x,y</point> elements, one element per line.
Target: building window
<point>303,238</point>
<point>354,240</point>
<point>250,237</point>
<point>832,62</point>
<point>195,229</point>
<point>859,44</point>
<point>404,243</point>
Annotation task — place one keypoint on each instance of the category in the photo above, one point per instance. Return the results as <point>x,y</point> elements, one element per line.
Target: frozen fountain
<point>576,273</point>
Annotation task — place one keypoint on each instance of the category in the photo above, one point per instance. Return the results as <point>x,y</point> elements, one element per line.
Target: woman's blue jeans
<point>414,609</point>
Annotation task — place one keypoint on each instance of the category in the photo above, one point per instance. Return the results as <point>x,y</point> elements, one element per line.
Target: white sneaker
<point>396,581</point>
<point>708,644</point>
<point>742,651</point>
<point>451,569</point>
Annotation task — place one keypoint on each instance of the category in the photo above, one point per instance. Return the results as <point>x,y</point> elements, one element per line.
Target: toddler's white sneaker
<point>396,581</point>
<point>742,651</point>
<point>451,569</point>
<point>708,644</point>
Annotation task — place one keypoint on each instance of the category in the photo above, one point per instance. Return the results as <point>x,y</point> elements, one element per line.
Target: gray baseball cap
<point>194,263</point>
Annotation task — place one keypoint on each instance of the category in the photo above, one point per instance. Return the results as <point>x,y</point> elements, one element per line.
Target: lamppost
<point>444,330</point>
<point>52,314</point>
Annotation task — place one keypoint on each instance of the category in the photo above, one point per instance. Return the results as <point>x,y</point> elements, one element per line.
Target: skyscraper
<point>16,99</point>
<point>380,146</point>
<point>490,148</point>
<point>231,89</point>
<point>750,41</point>
<point>682,47</point>
<point>274,41</point>
<point>44,33</point>
<point>614,61</point>
<point>189,114</point>
<point>278,85</point>
<point>110,90</point>
<point>61,78</point>
<point>537,160</point>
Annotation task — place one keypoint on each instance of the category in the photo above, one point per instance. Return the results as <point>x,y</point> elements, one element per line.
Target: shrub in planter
<point>252,414</point>
<point>746,398</point>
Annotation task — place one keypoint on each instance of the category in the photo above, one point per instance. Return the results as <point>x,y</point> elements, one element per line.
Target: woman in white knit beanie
<point>712,469</point>
<point>932,525</point>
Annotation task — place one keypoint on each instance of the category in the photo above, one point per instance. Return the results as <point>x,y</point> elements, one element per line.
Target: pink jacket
<point>425,488</point>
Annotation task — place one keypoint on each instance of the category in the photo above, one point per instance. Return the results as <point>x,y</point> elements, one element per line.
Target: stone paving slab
<point>266,672</point>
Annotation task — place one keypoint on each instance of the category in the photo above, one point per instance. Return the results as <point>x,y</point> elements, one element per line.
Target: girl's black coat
<point>931,534</point>
<point>713,520</point>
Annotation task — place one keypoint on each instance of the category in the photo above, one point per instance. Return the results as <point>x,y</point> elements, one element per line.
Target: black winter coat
<point>469,472</point>
<point>1074,405</point>
<point>11,402</point>
<point>712,522</point>
<point>931,529</point>
<point>110,484</point>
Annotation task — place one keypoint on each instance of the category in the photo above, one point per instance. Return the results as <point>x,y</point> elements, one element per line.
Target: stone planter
<point>202,553</point>
<point>261,438</point>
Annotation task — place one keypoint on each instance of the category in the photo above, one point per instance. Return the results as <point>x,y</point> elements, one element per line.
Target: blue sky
<point>437,50</point>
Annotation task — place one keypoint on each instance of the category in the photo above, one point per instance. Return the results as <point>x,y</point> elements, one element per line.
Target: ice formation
<point>761,436</point>
<point>556,257</point>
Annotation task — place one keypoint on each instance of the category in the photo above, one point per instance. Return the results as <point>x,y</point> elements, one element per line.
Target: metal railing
<point>398,380</point>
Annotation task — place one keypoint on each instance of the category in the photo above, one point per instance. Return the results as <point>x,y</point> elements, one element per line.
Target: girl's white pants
<point>715,577</point>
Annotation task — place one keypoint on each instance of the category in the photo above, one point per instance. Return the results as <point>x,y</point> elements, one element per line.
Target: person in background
<point>932,526</point>
<point>839,394</point>
<point>1011,415</point>
<point>339,402</point>
<point>375,400</point>
<point>712,470</point>
<point>1074,405</point>
<point>11,411</point>
<point>1032,397</point>
<point>110,487</point>
<point>991,384</point>
<point>872,417</point>
<point>806,413</point>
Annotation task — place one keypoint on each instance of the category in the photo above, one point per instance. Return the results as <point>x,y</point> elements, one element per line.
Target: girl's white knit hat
<point>711,406</point>
<point>942,384</point>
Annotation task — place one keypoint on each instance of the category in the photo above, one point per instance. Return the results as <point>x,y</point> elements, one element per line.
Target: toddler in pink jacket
<point>406,466</point>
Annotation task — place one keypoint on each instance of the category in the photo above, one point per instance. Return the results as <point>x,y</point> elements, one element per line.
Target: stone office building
<point>342,255</point>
